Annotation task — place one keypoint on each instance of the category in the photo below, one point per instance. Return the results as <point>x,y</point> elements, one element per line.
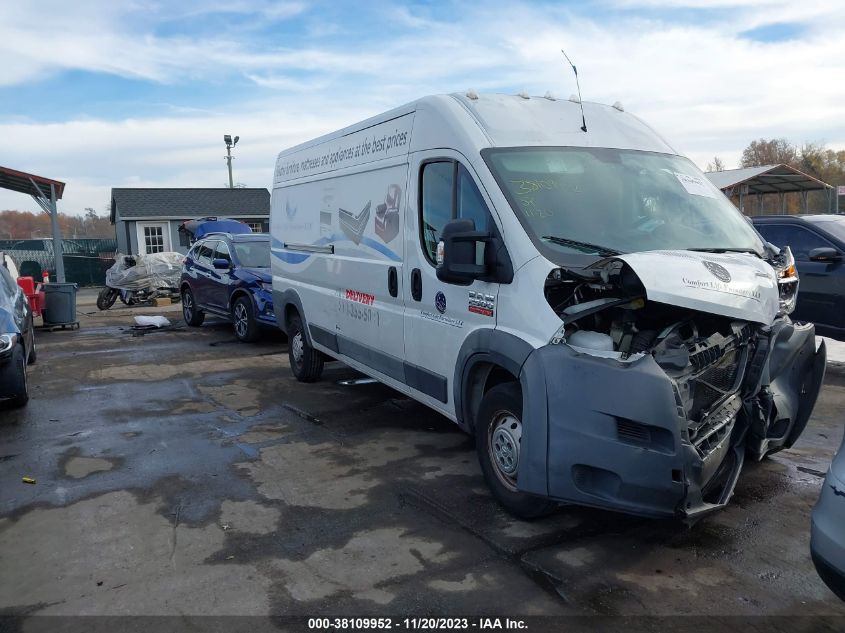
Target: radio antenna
<point>578,85</point>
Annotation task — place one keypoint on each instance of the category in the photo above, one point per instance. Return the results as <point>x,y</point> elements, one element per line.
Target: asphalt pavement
<point>182,472</point>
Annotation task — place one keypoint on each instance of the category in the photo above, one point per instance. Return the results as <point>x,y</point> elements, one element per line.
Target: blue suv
<point>229,275</point>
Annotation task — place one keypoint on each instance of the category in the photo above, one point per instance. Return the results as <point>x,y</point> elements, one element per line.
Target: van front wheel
<point>498,436</point>
<point>306,363</point>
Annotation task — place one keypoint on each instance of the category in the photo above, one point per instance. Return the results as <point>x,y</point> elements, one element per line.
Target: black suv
<point>229,276</point>
<point>818,245</point>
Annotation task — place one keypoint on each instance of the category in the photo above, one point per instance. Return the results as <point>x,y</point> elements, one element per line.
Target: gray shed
<point>147,220</point>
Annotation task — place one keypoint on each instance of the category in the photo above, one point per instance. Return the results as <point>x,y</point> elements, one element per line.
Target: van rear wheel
<point>498,435</point>
<point>306,363</point>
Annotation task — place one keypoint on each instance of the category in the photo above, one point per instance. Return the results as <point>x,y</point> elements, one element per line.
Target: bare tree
<point>769,152</point>
<point>717,165</point>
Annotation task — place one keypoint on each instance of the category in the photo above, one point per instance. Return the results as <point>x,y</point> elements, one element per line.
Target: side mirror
<point>825,254</point>
<point>221,264</point>
<point>460,249</point>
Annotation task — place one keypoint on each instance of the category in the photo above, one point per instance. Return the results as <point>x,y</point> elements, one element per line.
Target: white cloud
<point>706,88</point>
<point>92,156</point>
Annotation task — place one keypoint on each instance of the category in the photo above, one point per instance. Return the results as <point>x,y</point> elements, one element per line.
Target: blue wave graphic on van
<point>293,257</point>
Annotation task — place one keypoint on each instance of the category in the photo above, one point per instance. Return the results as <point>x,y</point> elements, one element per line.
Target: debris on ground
<point>145,324</point>
<point>27,480</point>
<point>154,321</point>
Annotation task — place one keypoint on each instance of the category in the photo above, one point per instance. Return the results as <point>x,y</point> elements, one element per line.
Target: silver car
<point>827,543</point>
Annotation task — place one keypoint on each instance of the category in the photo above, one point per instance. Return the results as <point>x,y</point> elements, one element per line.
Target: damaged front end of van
<point>670,368</point>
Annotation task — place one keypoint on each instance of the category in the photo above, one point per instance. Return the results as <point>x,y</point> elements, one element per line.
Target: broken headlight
<point>787,276</point>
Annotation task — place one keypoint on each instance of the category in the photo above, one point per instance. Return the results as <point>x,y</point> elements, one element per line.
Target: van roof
<point>514,120</point>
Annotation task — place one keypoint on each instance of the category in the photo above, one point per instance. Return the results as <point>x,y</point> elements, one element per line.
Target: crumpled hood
<point>736,285</point>
<point>262,274</point>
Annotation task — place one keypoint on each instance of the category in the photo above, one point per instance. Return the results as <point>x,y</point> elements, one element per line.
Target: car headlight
<point>7,342</point>
<point>267,285</point>
<point>787,280</point>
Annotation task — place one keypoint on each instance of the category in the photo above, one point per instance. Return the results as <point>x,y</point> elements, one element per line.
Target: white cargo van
<point>602,319</point>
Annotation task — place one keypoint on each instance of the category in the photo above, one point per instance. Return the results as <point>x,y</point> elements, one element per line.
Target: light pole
<point>227,138</point>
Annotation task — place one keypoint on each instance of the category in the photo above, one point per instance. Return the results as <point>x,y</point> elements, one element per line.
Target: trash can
<point>59,304</point>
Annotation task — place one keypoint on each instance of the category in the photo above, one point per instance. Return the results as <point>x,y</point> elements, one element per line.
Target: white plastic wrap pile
<point>157,270</point>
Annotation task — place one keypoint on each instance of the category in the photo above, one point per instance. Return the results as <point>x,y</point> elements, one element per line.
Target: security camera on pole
<point>227,138</point>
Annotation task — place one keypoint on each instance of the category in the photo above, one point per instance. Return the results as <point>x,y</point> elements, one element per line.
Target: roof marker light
<point>524,95</point>
<point>472,94</point>
<point>618,105</point>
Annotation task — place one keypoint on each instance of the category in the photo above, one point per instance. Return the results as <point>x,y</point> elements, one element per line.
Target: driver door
<point>439,315</point>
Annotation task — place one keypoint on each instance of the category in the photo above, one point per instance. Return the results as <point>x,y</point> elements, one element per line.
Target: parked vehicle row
<point>818,245</point>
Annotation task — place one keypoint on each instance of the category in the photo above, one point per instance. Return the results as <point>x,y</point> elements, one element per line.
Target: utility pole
<point>227,138</point>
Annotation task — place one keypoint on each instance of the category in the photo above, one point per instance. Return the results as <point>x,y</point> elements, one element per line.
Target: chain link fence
<point>85,260</point>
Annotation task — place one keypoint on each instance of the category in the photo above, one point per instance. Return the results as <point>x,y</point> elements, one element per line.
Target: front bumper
<point>604,433</point>
<point>264,306</point>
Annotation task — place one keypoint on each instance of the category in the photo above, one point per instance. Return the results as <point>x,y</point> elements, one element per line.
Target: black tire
<point>192,315</point>
<point>243,318</point>
<point>106,298</point>
<point>498,431</point>
<point>13,379</point>
<point>306,363</point>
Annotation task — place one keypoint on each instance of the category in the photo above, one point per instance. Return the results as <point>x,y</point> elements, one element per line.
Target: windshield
<point>601,201</point>
<point>253,254</point>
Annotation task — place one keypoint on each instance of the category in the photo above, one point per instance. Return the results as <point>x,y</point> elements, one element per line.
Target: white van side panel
<point>345,292</point>
<point>388,138</point>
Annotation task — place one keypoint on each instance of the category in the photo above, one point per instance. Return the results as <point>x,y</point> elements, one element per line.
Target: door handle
<point>416,284</point>
<point>392,281</point>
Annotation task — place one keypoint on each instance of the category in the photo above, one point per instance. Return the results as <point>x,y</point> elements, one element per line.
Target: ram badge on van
<point>587,304</point>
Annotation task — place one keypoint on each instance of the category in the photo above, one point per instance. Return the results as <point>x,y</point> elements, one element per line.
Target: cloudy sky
<point>120,93</point>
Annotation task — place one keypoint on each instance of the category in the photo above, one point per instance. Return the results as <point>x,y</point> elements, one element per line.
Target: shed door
<point>153,237</point>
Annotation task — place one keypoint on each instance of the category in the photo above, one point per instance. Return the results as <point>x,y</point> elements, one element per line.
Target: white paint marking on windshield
<point>696,185</point>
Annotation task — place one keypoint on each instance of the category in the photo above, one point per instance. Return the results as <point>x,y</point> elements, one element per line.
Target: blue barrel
<point>59,304</point>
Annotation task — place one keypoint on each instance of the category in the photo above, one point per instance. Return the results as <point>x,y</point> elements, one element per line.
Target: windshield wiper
<point>723,250</point>
<point>584,246</point>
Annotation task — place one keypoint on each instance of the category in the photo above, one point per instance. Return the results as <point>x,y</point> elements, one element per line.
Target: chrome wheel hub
<point>505,438</point>
<point>240,319</point>
<point>297,348</point>
<point>187,306</point>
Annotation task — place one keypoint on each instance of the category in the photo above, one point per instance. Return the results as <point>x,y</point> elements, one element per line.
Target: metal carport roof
<point>739,184</point>
<point>45,192</point>
<point>23,182</point>
<point>766,179</point>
